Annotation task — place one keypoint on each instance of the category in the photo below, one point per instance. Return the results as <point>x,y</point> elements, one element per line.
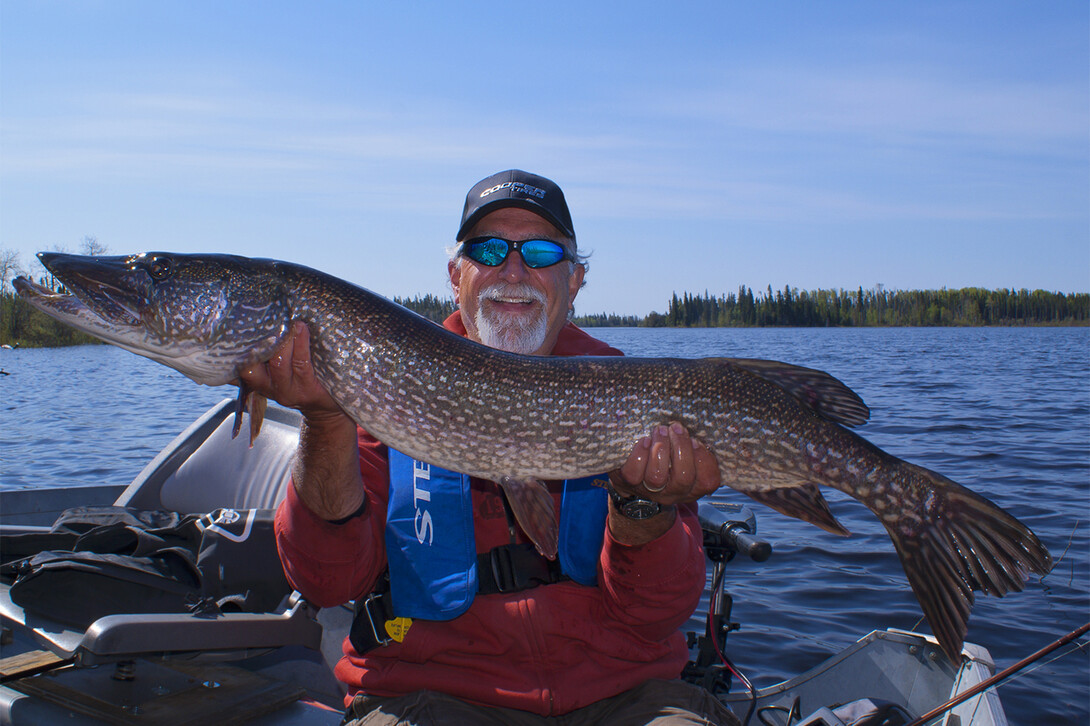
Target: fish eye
<point>161,267</point>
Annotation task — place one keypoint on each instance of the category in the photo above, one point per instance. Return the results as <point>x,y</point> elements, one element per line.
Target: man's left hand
<point>668,467</point>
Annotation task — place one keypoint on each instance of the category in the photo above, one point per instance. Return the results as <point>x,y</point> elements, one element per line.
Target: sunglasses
<point>535,253</point>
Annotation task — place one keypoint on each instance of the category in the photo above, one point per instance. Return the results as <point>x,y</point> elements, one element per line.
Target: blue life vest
<point>432,550</point>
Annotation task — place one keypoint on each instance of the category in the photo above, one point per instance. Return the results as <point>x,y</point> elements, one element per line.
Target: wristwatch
<point>633,507</point>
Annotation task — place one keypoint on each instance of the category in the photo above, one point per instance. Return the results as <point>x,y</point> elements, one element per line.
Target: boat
<point>275,666</point>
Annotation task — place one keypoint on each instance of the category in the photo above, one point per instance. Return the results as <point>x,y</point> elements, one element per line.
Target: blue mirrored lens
<point>541,253</point>
<point>491,252</point>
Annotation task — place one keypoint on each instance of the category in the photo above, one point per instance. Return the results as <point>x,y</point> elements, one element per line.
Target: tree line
<point>792,307</point>
<point>875,307</point>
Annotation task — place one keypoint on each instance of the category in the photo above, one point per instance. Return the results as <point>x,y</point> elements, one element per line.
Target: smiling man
<point>517,303</point>
<point>459,619</point>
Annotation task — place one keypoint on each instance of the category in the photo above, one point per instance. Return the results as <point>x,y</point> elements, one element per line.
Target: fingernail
<point>677,428</point>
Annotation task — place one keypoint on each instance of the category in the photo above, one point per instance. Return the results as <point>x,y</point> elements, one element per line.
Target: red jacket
<point>549,650</point>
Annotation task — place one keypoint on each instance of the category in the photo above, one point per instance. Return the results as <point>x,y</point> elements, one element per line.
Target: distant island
<point>23,326</point>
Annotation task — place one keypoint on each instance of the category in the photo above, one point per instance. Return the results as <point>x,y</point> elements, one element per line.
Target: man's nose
<point>513,268</point>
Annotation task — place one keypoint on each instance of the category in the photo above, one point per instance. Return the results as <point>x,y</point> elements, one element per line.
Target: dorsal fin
<point>817,390</point>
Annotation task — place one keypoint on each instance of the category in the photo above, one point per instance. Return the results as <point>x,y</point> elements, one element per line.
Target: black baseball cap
<point>516,188</point>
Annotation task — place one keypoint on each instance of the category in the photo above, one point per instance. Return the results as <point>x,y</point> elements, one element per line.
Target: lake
<point>1004,411</point>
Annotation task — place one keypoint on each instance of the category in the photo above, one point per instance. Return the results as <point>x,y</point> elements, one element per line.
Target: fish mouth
<point>44,298</point>
<point>108,287</point>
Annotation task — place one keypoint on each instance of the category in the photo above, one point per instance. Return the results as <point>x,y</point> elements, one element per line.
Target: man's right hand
<point>326,471</point>
<point>288,377</point>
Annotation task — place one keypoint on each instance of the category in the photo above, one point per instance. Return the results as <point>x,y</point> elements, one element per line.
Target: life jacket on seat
<point>434,569</point>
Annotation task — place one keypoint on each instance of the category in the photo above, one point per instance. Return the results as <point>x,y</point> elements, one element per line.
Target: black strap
<point>507,568</point>
<point>515,567</point>
<point>372,611</point>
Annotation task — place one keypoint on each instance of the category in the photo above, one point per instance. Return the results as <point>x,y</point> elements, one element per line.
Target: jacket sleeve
<point>654,588</point>
<point>328,563</point>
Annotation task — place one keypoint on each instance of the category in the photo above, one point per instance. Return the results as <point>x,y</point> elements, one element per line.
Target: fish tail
<point>958,542</point>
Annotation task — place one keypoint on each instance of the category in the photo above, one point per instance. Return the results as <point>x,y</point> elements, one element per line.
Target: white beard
<point>513,333</point>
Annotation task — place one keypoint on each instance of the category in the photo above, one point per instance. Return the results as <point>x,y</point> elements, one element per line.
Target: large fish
<point>776,430</point>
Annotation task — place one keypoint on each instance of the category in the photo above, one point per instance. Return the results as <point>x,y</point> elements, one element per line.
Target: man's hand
<point>288,377</point>
<point>668,467</point>
<point>326,470</point>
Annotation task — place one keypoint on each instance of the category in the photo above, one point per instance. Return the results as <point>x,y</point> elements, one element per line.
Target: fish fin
<point>817,390</point>
<point>804,502</point>
<point>535,511</point>
<point>241,402</point>
<point>258,404</point>
<point>253,403</point>
<point>964,543</point>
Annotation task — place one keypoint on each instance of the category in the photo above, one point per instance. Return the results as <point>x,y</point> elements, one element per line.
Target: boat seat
<point>204,468</point>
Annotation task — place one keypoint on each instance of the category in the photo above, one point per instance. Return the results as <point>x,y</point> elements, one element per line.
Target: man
<point>591,637</point>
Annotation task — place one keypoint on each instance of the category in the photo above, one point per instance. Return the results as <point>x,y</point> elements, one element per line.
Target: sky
<point>701,146</point>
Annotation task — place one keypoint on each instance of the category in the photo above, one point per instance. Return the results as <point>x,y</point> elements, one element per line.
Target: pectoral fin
<point>252,403</point>
<point>533,506</point>
<point>258,404</point>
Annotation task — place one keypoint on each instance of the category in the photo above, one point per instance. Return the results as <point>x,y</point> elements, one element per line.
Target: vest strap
<point>368,629</point>
<point>515,567</point>
<point>503,569</point>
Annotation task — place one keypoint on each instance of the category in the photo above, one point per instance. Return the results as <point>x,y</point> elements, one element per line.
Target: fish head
<point>203,315</point>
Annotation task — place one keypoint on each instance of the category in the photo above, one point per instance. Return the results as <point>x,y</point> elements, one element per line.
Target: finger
<point>280,364</point>
<point>658,464</point>
<point>255,376</point>
<point>682,461</point>
<point>300,351</point>
<point>707,469</point>
<point>632,471</point>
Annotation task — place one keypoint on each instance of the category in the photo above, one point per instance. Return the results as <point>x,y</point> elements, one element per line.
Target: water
<point>1004,411</point>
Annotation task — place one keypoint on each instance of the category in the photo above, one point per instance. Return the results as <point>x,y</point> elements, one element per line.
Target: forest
<point>875,307</point>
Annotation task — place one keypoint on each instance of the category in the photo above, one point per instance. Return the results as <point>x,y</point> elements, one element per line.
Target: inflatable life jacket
<point>434,569</point>
<point>430,543</point>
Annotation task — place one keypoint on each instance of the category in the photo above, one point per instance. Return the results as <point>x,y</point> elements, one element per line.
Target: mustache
<point>509,291</point>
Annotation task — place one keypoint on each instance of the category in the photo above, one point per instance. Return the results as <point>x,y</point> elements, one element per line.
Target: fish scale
<point>777,431</point>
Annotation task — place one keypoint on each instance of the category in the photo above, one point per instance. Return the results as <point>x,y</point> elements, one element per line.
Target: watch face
<point>640,509</point>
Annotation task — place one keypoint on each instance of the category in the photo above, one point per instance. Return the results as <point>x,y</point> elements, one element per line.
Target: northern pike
<point>776,430</point>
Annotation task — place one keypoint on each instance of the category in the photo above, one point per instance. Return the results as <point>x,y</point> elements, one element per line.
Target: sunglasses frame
<point>515,246</point>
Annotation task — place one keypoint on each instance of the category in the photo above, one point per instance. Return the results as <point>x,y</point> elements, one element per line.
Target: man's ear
<point>575,282</point>
<point>454,269</point>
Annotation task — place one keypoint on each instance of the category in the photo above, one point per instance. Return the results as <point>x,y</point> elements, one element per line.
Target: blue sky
<point>701,146</point>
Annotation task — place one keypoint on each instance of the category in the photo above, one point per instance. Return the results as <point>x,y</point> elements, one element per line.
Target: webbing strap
<point>508,568</point>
